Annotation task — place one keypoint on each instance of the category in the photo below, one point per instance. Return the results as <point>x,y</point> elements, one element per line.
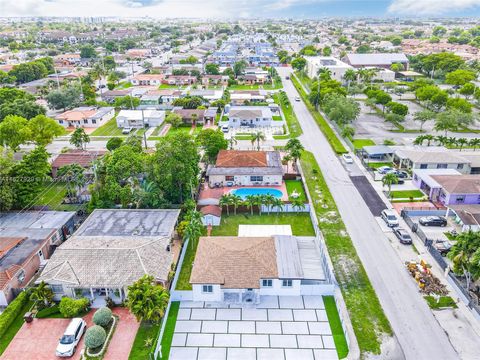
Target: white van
<point>70,339</point>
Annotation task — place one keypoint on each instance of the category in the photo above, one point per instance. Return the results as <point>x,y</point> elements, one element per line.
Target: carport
<point>375,152</point>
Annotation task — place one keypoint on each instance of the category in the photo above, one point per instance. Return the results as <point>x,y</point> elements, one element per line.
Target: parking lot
<point>278,328</point>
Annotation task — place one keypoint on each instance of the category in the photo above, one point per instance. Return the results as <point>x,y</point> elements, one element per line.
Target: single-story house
<point>422,179</point>
<point>111,250</point>
<point>147,79</point>
<point>188,115</point>
<point>110,95</point>
<point>380,60</point>
<point>210,95</point>
<point>179,80</point>
<point>27,240</point>
<point>83,158</point>
<point>455,189</point>
<point>211,215</point>
<point>239,97</point>
<point>467,216</point>
<point>241,269</point>
<point>246,168</point>
<point>140,118</point>
<point>86,116</point>
<point>215,80</point>
<point>250,116</point>
<point>424,159</point>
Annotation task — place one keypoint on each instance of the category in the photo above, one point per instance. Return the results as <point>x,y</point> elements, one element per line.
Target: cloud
<point>430,7</point>
<point>140,3</point>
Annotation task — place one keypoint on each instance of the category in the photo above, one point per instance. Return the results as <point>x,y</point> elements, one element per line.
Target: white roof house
<point>336,67</point>
<point>376,60</point>
<point>140,118</point>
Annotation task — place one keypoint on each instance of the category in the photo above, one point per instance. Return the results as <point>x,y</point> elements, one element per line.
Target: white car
<point>347,158</point>
<point>127,130</point>
<point>390,217</point>
<point>70,339</point>
<point>297,98</point>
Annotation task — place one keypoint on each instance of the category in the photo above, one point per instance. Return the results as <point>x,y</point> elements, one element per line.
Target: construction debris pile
<point>427,282</point>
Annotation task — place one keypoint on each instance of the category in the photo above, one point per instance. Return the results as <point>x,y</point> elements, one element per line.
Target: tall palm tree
<point>261,200</point>
<point>257,137</point>
<point>419,140</point>
<point>277,203</point>
<point>232,141</point>
<point>388,180</point>
<point>250,201</point>
<point>349,76</point>
<point>461,143</point>
<point>269,199</point>
<point>474,142</point>
<point>236,201</point>
<point>295,149</point>
<point>429,139</point>
<point>451,141</point>
<point>324,74</point>
<point>441,140</point>
<point>193,230</point>
<point>225,201</point>
<point>42,293</point>
<point>298,204</point>
<point>147,300</point>
<point>285,160</point>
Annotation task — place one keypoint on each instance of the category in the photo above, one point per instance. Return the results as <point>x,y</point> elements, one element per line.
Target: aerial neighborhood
<point>264,187</point>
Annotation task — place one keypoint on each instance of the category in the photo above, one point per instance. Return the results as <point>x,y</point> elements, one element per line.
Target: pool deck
<point>216,193</point>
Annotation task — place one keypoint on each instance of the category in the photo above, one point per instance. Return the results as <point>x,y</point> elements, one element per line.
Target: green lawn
<point>108,129</point>
<point>300,223</point>
<point>168,86</point>
<point>290,117</point>
<point>14,327</point>
<point>332,138</point>
<point>368,319</point>
<point>169,329</point>
<point>183,282</point>
<point>406,194</point>
<point>277,84</point>
<point>281,137</point>
<point>244,87</point>
<point>146,331</point>
<point>376,165</point>
<point>52,194</point>
<point>360,143</point>
<point>296,185</point>
<point>443,302</point>
<point>243,137</point>
<point>336,326</point>
<point>277,118</point>
<point>304,79</point>
<point>183,129</point>
<point>124,85</point>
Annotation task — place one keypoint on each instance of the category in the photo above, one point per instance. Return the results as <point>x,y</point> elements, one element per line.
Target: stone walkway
<point>277,328</point>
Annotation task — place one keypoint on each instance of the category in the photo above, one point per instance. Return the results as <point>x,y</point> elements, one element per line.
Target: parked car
<point>297,98</point>
<point>389,217</point>
<point>385,169</point>
<point>127,130</point>
<point>347,158</point>
<point>433,221</point>
<point>443,246</point>
<point>403,236</point>
<point>287,77</point>
<point>70,339</point>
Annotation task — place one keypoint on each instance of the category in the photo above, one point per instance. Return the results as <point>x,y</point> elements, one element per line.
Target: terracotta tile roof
<point>77,115</point>
<point>186,114</point>
<point>82,158</point>
<point>241,158</point>
<point>234,262</point>
<point>7,243</point>
<point>211,210</point>
<point>7,275</point>
<point>141,77</point>
<point>459,184</point>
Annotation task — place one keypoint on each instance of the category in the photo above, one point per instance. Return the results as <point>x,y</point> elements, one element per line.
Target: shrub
<point>70,307</point>
<point>11,312</point>
<point>102,317</point>
<point>95,337</point>
<point>47,312</point>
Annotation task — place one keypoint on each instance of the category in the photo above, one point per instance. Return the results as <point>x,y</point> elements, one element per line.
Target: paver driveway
<point>279,328</point>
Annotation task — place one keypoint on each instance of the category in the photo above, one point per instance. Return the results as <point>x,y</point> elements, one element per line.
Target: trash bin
<point>28,317</point>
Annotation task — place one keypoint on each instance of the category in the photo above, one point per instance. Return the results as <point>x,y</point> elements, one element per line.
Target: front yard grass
<point>300,223</point>
<point>169,329</point>
<point>183,282</point>
<point>145,332</point>
<point>336,326</point>
<point>368,319</point>
<point>14,327</point>
<point>295,185</point>
<point>108,129</point>
<point>360,143</point>
<point>406,194</point>
<point>292,122</point>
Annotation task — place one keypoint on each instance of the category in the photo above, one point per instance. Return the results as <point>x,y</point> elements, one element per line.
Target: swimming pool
<point>244,192</point>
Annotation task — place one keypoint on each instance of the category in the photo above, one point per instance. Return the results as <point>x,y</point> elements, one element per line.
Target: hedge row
<point>48,312</point>
<point>329,133</point>
<point>12,311</point>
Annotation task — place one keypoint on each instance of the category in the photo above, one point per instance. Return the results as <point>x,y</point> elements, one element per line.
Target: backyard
<point>52,195</point>
<point>295,186</point>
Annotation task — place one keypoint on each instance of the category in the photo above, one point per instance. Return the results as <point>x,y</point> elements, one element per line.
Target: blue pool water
<point>244,192</point>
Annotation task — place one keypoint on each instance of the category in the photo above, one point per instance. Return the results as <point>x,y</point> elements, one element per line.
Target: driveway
<point>279,328</point>
<point>39,339</point>
<point>369,195</point>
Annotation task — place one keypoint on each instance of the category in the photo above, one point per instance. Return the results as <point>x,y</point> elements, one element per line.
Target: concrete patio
<point>287,327</point>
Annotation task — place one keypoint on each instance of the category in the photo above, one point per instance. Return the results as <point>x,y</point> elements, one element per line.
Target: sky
<point>241,8</point>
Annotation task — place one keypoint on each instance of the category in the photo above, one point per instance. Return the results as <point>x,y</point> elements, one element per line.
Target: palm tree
<point>236,201</point>
<point>349,76</point>
<point>74,177</point>
<point>147,300</point>
<point>451,142</point>
<point>193,230</point>
<point>441,140</point>
<point>194,119</point>
<point>429,139</point>
<point>232,141</point>
<point>257,137</point>
<point>277,203</point>
<point>225,201</point>
<point>295,149</point>
<point>268,200</point>
<point>298,204</point>
<point>42,293</point>
<point>261,200</point>
<point>250,201</point>
<point>285,160</point>
<point>388,180</point>
<point>462,142</point>
<point>419,140</point>
<point>324,74</point>
<point>474,142</point>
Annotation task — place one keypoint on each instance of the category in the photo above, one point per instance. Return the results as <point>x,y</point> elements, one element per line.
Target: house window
<point>57,289</point>
<point>459,166</point>
<point>207,289</point>
<point>21,276</point>
<point>460,199</point>
<point>441,166</point>
<point>423,166</point>
<point>478,200</point>
<point>229,178</point>
<point>287,283</point>
<point>60,121</point>
<point>94,121</point>
<point>256,178</point>
<point>85,121</point>
<point>267,283</point>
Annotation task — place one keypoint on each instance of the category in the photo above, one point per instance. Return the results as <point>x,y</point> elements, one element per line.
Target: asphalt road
<point>418,332</point>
